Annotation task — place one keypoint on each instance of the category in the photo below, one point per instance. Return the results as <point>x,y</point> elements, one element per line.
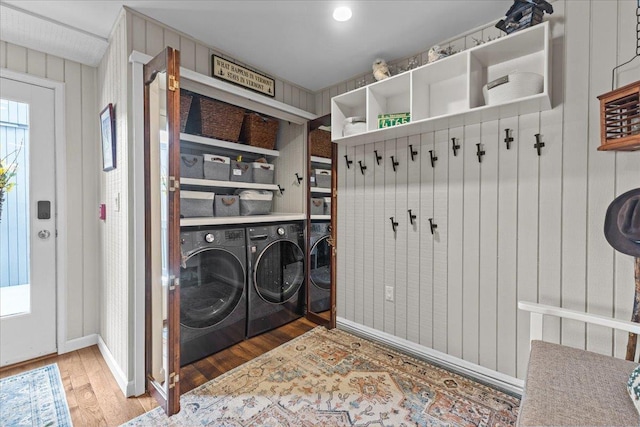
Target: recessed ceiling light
<point>342,13</point>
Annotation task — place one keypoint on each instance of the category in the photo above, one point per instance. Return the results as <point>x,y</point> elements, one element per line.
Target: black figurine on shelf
<point>524,14</point>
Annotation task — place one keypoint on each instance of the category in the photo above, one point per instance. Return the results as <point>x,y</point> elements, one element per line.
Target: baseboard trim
<point>125,385</point>
<point>477,372</point>
<point>78,343</point>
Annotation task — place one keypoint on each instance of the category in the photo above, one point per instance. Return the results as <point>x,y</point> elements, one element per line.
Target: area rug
<point>332,378</point>
<point>34,398</point>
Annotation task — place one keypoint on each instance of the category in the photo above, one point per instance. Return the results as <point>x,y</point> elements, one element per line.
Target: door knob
<point>44,234</point>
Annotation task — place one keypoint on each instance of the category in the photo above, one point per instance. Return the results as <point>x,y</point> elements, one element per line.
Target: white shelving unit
<point>320,190</point>
<point>227,184</point>
<point>249,219</point>
<point>320,160</point>
<point>320,217</point>
<point>448,92</point>
<point>226,146</point>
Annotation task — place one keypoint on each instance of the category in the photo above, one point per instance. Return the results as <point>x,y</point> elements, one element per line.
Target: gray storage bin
<point>196,204</point>
<point>327,205</point>
<point>255,202</point>
<point>191,166</point>
<point>240,171</point>
<point>226,205</point>
<point>263,172</point>
<point>317,206</point>
<point>216,167</point>
<point>323,178</point>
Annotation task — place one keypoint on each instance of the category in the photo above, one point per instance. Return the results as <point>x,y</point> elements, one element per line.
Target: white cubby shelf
<point>201,142</point>
<point>448,93</point>
<point>248,219</point>
<point>227,184</point>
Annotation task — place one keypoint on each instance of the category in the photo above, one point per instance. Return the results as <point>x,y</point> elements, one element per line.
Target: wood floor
<point>95,399</point>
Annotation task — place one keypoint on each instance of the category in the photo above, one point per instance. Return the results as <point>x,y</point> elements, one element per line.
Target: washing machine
<point>320,266</point>
<point>213,298</point>
<point>276,290</point>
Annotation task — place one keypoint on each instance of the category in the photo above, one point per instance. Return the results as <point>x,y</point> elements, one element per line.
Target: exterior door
<point>27,222</point>
<point>162,227</point>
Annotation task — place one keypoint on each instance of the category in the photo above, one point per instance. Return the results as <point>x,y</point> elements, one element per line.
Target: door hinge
<point>335,193</point>
<point>174,282</point>
<point>173,379</point>
<point>173,83</point>
<point>174,184</point>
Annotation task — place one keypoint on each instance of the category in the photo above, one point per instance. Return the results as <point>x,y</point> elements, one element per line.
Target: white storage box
<point>317,206</point>
<point>327,205</point>
<point>255,202</point>
<point>354,125</point>
<point>511,87</point>
<point>191,166</point>
<point>216,167</point>
<point>322,178</point>
<point>240,171</point>
<point>226,205</point>
<point>263,172</point>
<point>196,204</point>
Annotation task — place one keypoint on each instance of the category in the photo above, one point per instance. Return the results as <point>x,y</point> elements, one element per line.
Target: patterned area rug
<point>34,398</point>
<point>332,378</point>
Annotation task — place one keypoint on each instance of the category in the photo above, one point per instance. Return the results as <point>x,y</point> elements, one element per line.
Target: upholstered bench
<point>571,387</point>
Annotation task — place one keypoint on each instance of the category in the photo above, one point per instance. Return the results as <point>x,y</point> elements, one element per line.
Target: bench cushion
<point>570,387</point>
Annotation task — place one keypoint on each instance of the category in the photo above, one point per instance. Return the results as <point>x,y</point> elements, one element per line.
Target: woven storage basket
<point>215,119</point>
<point>185,106</point>
<point>320,143</point>
<point>259,131</point>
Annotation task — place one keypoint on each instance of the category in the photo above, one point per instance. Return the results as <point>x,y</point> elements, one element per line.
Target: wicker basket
<point>215,119</point>
<point>320,143</point>
<point>185,105</point>
<point>259,131</point>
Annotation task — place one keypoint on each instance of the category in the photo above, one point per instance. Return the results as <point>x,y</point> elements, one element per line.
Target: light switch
<point>116,203</point>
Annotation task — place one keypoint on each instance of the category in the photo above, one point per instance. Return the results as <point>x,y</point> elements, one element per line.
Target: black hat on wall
<point>622,223</point>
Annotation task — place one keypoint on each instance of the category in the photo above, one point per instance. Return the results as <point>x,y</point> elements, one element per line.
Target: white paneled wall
<point>115,328</point>
<point>515,226</point>
<point>83,275</point>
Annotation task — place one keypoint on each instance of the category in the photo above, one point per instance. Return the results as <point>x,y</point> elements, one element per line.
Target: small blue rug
<point>34,398</point>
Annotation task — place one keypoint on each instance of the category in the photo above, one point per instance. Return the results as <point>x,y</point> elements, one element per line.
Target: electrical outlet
<point>388,293</point>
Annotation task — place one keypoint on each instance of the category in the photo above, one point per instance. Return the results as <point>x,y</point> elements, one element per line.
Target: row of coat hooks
<point>412,219</point>
<point>455,146</point>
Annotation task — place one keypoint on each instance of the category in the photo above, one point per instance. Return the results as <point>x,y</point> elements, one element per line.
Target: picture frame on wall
<point>108,137</point>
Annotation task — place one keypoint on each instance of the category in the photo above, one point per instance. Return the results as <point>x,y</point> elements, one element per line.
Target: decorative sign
<point>388,120</point>
<point>242,76</point>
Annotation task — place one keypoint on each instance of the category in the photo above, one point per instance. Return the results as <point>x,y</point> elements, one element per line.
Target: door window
<point>279,271</point>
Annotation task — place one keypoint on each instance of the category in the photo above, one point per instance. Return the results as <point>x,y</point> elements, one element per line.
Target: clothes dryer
<point>213,304</point>
<point>320,266</point>
<point>276,291</point>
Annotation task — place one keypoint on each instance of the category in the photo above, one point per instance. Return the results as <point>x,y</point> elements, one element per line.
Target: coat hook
<point>281,189</point>
<point>413,152</point>
<point>346,158</point>
<point>394,163</point>
<point>411,217</point>
<point>362,167</point>
<point>480,152</point>
<point>539,144</point>
<point>299,178</point>
<point>432,225</point>
<point>378,157</point>
<point>433,158</point>
<point>508,139</point>
<point>394,224</point>
<point>455,146</point>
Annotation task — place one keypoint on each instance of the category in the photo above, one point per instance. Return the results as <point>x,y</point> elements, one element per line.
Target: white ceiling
<point>291,39</point>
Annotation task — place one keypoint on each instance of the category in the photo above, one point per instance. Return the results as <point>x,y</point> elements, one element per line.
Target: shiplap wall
<point>116,300</point>
<point>83,275</point>
<point>514,227</point>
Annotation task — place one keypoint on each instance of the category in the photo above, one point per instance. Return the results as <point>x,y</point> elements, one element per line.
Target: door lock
<point>44,234</point>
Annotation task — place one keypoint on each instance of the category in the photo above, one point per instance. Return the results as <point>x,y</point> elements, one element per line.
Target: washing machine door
<point>320,256</point>
<point>211,286</point>
<point>279,271</point>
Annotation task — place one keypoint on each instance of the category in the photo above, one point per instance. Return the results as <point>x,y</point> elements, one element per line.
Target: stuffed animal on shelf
<point>380,69</point>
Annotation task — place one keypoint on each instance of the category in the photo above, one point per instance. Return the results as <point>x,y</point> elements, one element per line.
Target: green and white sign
<point>393,119</point>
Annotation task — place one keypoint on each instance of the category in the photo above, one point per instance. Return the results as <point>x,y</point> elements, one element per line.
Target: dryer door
<point>279,271</point>
<point>320,269</point>
<point>211,286</point>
